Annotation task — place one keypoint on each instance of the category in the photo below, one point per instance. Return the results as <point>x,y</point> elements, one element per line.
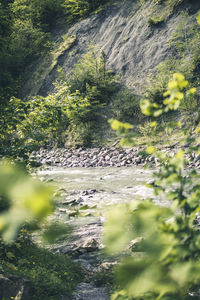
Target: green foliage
<point>149,128</point>
<point>174,97</point>
<point>96,83</point>
<point>22,200</point>
<point>125,106</point>
<point>51,275</point>
<point>92,77</point>
<point>48,118</point>
<point>104,278</point>
<point>162,10</point>
<point>82,134</point>
<point>169,266</point>
<point>68,116</point>
<point>22,40</point>
<point>155,20</point>
<point>198,18</point>
<point>25,34</point>
<point>123,129</point>
<point>25,203</point>
<point>42,121</point>
<point>78,9</point>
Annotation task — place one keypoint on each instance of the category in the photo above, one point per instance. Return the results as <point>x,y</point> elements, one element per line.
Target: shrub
<point>42,122</point>
<point>97,84</point>
<point>81,135</point>
<point>92,77</point>
<point>125,106</point>
<point>155,20</point>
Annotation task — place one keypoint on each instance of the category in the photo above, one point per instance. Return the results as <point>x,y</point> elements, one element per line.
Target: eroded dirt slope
<point>133,48</point>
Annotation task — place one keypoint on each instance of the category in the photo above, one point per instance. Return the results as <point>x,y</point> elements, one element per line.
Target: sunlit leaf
<point>117,232</point>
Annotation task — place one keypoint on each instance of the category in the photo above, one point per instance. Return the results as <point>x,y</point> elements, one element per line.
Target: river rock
<point>108,265</point>
<point>90,246</point>
<point>89,192</point>
<point>76,250</point>
<point>73,201</point>
<point>86,265</point>
<point>102,157</point>
<point>88,291</point>
<point>107,157</point>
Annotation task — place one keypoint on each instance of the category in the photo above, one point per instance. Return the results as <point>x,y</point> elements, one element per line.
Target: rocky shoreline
<point>104,157</point>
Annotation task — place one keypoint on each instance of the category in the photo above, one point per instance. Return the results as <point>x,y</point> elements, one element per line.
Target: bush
<point>82,135</point>
<point>92,77</point>
<point>126,106</point>
<point>42,122</point>
<point>97,84</point>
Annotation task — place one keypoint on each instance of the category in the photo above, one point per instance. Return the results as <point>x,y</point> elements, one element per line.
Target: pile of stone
<point>103,157</point>
<point>92,157</point>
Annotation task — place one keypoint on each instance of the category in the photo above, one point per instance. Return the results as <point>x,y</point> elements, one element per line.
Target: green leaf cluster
<point>169,241</point>
<point>125,106</point>
<point>22,200</point>
<point>42,121</point>
<point>169,267</point>
<point>98,84</point>
<point>92,77</point>
<point>174,96</point>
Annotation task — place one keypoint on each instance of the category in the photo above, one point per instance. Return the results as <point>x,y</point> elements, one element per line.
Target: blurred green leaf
<point>29,200</point>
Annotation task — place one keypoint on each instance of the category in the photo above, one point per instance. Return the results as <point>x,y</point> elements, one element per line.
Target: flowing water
<point>92,191</point>
<point>96,188</point>
<point>113,184</point>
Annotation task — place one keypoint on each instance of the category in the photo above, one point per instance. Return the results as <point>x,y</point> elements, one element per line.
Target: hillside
<point>132,45</point>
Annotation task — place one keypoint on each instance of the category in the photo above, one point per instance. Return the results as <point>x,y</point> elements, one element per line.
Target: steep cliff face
<point>133,46</point>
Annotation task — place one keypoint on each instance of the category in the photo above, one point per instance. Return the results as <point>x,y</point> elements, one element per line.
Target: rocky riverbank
<point>104,157</point>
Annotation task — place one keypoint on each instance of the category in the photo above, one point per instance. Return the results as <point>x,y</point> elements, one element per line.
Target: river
<point>90,191</point>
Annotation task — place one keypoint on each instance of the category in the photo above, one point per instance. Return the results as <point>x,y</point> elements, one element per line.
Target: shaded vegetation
<point>25,34</point>
<point>25,204</point>
<point>50,275</point>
